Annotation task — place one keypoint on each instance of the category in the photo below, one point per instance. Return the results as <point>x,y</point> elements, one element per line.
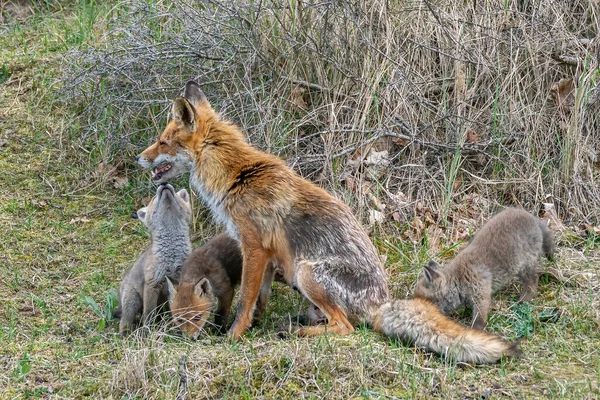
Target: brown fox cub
<point>168,218</point>
<point>208,279</point>
<point>282,218</point>
<point>508,246</point>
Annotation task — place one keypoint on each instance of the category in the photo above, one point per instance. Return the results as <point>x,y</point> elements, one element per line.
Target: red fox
<point>208,279</point>
<point>279,217</point>
<point>508,245</point>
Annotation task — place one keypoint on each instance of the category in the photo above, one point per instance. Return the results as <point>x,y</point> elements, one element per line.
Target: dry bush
<point>401,102</point>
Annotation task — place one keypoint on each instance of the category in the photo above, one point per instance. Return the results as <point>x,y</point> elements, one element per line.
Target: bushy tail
<point>420,322</point>
<point>547,240</point>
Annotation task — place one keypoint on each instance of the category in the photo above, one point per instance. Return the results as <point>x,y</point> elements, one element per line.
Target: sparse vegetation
<point>427,116</point>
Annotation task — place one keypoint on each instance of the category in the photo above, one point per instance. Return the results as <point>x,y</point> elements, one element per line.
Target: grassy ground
<point>67,238</point>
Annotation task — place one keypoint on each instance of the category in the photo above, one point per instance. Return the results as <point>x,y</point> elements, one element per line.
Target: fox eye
<point>197,318</point>
<point>162,143</point>
<point>179,320</point>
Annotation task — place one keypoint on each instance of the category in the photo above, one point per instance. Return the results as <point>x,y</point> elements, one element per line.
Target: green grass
<point>67,237</point>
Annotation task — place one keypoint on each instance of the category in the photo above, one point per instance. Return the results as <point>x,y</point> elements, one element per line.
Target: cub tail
<point>547,240</point>
<point>420,322</point>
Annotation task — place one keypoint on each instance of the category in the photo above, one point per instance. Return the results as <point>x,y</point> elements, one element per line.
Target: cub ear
<point>430,274</point>
<point>185,196</point>
<point>171,289</point>
<point>193,93</point>
<point>203,288</point>
<point>433,265</point>
<point>183,112</point>
<point>141,214</point>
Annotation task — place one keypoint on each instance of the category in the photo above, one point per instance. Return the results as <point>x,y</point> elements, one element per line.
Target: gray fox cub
<point>168,218</point>
<point>507,246</point>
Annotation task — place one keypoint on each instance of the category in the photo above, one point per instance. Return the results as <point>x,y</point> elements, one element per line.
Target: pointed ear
<point>171,289</point>
<point>141,214</point>
<point>433,265</point>
<point>183,112</point>
<point>184,195</point>
<point>193,93</point>
<point>202,288</point>
<point>430,274</point>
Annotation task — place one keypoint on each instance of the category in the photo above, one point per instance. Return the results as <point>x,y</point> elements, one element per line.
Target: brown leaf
<point>563,93</point>
<point>297,98</point>
<point>120,181</point>
<point>400,141</point>
<point>472,137</point>
<point>396,216</point>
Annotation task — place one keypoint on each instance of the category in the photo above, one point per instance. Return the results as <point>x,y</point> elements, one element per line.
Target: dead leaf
<point>396,216</point>
<point>400,141</point>
<point>472,137</point>
<point>375,217</point>
<point>120,181</point>
<point>563,93</point>
<point>79,219</point>
<point>550,214</point>
<point>296,98</point>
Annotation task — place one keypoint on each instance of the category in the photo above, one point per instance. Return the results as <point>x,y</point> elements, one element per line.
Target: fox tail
<point>421,323</point>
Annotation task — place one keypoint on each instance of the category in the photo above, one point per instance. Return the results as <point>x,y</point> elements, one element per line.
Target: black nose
<point>137,158</point>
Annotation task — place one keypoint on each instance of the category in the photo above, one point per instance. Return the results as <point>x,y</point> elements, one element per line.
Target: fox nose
<point>137,158</point>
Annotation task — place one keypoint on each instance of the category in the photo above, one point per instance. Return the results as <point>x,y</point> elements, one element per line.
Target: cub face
<point>191,306</point>
<point>179,146</point>
<point>167,210</point>
<point>433,286</point>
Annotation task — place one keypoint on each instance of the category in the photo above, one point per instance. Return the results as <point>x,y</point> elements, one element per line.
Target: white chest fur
<point>215,203</point>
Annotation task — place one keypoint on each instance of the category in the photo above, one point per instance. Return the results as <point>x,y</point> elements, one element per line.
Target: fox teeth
<point>162,169</point>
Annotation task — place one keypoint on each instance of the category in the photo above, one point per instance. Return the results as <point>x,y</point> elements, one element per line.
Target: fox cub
<point>168,217</point>
<point>507,246</point>
<point>282,219</point>
<point>208,279</point>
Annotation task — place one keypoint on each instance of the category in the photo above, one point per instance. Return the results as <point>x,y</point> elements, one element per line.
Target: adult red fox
<point>279,217</point>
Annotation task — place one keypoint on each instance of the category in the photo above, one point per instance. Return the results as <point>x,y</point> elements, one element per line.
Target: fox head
<point>433,285</point>
<point>168,212</point>
<point>180,146</point>
<point>191,305</point>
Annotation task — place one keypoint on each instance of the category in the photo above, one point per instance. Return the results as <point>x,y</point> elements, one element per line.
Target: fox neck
<point>223,151</point>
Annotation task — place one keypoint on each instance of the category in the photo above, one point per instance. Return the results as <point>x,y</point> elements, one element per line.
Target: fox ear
<point>203,287</point>
<point>430,274</point>
<point>171,289</point>
<point>433,265</point>
<point>193,93</point>
<point>183,112</point>
<point>141,214</point>
<point>184,195</point>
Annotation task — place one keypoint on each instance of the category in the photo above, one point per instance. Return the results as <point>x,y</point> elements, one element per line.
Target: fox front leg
<point>255,263</point>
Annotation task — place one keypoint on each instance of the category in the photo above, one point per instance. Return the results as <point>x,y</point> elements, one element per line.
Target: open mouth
<point>158,172</point>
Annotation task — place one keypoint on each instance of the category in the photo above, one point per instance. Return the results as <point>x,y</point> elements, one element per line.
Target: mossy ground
<point>67,237</point>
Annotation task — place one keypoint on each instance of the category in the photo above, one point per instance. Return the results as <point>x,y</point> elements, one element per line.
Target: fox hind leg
<point>131,305</point>
<point>337,320</point>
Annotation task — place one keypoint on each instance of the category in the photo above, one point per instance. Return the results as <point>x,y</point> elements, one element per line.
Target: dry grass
<point>362,70</point>
<point>498,98</point>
